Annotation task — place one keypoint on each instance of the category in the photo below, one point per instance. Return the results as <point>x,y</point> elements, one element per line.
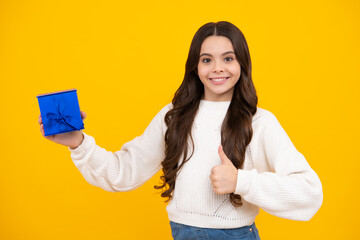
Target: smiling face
<point>218,68</point>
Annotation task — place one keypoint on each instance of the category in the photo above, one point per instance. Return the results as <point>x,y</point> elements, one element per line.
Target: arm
<point>131,166</point>
<point>290,189</point>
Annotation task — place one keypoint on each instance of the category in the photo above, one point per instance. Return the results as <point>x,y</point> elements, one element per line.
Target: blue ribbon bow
<point>61,118</point>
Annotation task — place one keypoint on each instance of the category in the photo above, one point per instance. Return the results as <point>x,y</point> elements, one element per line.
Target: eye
<point>205,60</point>
<point>228,59</point>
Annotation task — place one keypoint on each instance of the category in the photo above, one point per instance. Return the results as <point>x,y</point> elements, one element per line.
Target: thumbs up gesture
<point>224,177</point>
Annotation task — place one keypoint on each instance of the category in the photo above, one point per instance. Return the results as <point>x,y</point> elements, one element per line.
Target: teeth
<point>218,79</point>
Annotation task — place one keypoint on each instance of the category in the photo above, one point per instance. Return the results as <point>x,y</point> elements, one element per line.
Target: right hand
<point>70,139</point>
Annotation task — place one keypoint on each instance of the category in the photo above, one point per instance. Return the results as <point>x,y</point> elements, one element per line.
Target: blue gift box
<point>60,112</point>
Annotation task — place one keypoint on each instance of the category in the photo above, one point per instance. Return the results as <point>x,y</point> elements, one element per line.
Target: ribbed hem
<point>244,181</point>
<point>208,221</point>
<point>83,148</point>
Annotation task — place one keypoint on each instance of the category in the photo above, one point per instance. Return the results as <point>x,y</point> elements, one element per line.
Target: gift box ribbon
<point>61,118</point>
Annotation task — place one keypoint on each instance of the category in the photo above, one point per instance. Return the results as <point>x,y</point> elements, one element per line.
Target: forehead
<point>216,45</point>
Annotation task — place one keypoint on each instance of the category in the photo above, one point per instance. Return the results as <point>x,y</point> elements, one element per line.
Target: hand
<point>70,139</point>
<point>224,177</point>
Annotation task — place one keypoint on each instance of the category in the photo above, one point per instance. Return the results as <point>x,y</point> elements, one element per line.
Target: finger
<point>83,114</point>
<point>40,119</point>
<point>42,129</point>
<point>213,180</point>
<point>216,189</point>
<point>211,176</point>
<point>212,184</point>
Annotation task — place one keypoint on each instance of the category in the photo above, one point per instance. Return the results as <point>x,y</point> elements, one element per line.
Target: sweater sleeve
<point>130,167</point>
<point>290,189</point>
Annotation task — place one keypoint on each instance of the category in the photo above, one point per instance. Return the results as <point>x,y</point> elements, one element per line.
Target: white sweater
<point>275,176</point>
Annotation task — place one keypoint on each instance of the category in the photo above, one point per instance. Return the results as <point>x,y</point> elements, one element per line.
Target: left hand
<point>224,177</point>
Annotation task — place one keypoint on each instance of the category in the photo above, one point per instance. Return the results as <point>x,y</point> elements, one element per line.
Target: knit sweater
<point>275,176</point>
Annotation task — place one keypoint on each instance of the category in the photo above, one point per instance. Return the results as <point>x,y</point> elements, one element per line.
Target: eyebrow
<point>208,54</point>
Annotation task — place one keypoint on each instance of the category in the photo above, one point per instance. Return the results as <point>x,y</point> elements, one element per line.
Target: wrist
<point>235,179</point>
<point>78,141</point>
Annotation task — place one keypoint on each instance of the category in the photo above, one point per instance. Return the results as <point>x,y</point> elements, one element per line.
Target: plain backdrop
<point>126,59</point>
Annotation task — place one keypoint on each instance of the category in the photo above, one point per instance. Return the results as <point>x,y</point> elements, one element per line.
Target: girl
<point>222,157</point>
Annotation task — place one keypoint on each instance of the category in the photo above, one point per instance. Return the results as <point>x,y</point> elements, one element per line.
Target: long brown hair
<point>236,129</point>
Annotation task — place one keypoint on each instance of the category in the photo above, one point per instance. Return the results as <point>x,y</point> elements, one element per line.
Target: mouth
<point>218,80</point>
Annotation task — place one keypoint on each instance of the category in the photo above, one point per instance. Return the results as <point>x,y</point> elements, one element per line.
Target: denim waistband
<point>181,232</point>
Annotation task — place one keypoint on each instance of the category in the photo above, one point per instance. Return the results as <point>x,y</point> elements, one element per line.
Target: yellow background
<point>127,59</point>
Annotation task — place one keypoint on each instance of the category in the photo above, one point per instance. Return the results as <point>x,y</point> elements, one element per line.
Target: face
<point>218,68</point>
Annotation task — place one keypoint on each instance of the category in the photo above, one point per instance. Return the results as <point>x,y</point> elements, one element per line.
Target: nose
<point>217,67</point>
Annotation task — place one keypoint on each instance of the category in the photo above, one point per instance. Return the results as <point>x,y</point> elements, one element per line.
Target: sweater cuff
<point>245,180</point>
<point>83,148</point>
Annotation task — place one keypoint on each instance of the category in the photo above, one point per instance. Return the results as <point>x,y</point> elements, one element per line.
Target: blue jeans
<point>183,232</point>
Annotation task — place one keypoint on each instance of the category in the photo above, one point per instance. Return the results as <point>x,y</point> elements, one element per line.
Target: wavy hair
<point>236,129</point>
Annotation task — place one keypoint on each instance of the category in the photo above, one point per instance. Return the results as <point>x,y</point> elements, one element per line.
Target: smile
<point>218,80</point>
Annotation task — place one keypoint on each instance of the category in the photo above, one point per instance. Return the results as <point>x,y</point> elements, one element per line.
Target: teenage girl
<point>222,157</point>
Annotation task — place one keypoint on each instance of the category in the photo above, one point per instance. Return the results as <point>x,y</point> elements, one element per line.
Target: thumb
<point>224,159</point>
